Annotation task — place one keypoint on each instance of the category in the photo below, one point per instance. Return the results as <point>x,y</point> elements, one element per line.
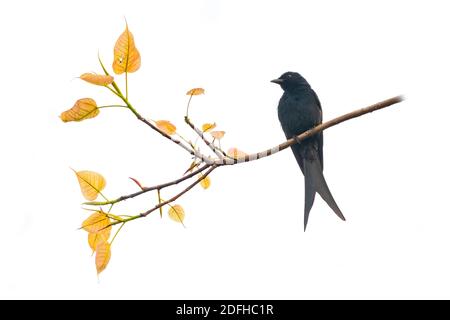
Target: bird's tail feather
<point>316,181</point>
<point>310,194</point>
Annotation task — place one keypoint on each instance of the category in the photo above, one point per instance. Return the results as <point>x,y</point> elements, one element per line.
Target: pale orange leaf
<point>176,213</point>
<point>98,79</point>
<point>208,126</point>
<point>126,56</point>
<point>83,109</point>
<point>94,239</point>
<point>236,153</point>
<point>102,257</point>
<point>166,126</point>
<point>195,92</point>
<point>91,183</point>
<point>98,222</point>
<point>205,182</point>
<point>217,134</point>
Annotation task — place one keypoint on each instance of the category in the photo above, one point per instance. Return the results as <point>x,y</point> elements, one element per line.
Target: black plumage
<point>299,110</point>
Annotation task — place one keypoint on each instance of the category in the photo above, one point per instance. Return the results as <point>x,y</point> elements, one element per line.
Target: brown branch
<point>311,132</point>
<point>147,189</point>
<point>162,204</point>
<point>165,135</point>
<point>252,157</point>
<point>151,125</point>
<point>175,197</point>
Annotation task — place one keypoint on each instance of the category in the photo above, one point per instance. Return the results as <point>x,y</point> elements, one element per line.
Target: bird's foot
<point>296,139</point>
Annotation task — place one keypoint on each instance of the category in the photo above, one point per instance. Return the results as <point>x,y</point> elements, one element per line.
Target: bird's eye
<point>289,75</point>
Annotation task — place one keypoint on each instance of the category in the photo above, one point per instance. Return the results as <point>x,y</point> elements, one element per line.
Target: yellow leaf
<point>83,109</point>
<point>205,182</point>
<point>208,126</point>
<point>236,153</point>
<point>91,183</point>
<point>166,126</point>
<point>195,92</point>
<point>98,222</point>
<point>98,79</point>
<point>126,56</point>
<point>217,134</point>
<point>176,213</point>
<point>102,256</point>
<point>94,239</point>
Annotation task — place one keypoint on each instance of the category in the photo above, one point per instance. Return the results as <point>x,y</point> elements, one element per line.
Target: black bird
<point>299,110</point>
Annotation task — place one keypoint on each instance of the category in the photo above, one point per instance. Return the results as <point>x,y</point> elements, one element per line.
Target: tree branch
<point>194,153</point>
<point>162,204</point>
<point>175,197</point>
<point>229,161</point>
<point>311,132</point>
<point>147,189</point>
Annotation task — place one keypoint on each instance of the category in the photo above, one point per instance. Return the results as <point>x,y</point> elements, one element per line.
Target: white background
<point>244,237</point>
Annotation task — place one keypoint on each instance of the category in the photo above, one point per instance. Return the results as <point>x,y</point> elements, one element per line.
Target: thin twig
<point>147,189</point>
<point>218,152</point>
<point>194,153</point>
<point>119,93</point>
<point>174,198</point>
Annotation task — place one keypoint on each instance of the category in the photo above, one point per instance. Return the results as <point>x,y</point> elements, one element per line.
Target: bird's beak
<point>277,81</point>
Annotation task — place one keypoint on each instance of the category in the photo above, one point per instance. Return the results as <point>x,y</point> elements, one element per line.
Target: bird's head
<point>291,81</point>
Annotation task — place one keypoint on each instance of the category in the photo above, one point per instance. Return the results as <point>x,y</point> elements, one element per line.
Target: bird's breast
<point>297,114</point>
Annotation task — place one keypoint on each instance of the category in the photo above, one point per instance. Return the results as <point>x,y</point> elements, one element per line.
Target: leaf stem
<point>104,196</point>
<point>101,63</point>
<point>126,85</point>
<point>159,202</point>
<point>117,232</point>
<point>113,91</point>
<point>188,104</point>
<point>112,106</point>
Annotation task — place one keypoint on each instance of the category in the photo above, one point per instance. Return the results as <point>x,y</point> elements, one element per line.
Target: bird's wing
<point>318,103</point>
<point>319,135</point>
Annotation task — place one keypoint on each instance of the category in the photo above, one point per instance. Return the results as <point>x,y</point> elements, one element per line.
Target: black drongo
<point>299,110</point>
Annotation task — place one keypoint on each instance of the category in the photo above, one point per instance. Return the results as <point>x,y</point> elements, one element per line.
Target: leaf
<point>166,126</point>
<point>195,92</point>
<point>176,213</point>
<point>208,126</point>
<point>126,56</point>
<point>94,239</point>
<point>83,109</point>
<point>98,222</point>
<point>102,256</point>
<point>97,79</point>
<point>236,153</point>
<point>205,182</point>
<point>217,134</point>
<point>91,183</point>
